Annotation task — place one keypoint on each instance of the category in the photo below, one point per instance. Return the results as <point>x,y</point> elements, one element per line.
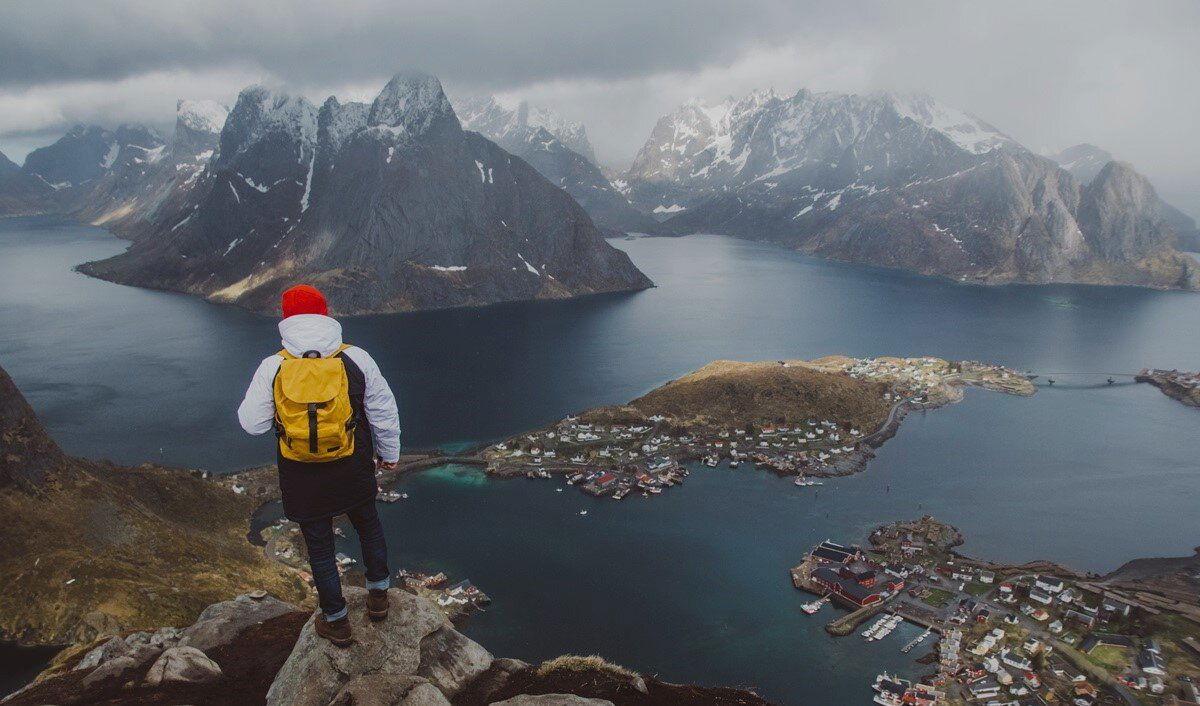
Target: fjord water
<point>693,584</point>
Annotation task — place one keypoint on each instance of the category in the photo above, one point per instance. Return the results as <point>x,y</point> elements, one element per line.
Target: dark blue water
<point>693,584</point>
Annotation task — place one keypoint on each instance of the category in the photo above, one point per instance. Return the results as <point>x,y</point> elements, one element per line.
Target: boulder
<point>552,700</point>
<point>111,649</point>
<point>221,622</point>
<point>416,640</point>
<point>380,690</point>
<point>451,661</point>
<point>182,665</point>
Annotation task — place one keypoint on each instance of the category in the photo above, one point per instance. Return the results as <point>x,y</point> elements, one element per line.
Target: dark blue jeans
<point>318,536</point>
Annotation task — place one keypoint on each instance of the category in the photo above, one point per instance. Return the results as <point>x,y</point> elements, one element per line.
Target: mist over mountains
<point>395,205</point>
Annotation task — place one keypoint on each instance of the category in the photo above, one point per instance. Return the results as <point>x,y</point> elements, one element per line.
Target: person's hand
<point>385,465</point>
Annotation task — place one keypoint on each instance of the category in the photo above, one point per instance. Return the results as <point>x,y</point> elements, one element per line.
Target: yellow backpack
<point>314,419</point>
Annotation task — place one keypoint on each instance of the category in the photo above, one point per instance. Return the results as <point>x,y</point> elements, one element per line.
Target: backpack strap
<point>283,353</point>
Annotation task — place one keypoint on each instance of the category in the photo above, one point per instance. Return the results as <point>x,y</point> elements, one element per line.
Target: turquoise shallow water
<point>693,584</point>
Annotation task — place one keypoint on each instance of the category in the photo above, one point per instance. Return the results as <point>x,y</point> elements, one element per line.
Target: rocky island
<point>806,418</point>
<point>1181,386</point>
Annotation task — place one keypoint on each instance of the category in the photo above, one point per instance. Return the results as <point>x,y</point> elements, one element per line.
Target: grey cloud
<point>1119,74</point>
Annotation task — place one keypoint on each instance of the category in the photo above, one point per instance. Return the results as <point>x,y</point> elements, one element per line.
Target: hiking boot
<point>377,604</point>
<point>337,632</point>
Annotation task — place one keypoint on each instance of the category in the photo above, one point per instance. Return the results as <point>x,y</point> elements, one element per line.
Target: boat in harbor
<point>389,496</point>
<point>814,606</point>
<point>805,482</point>
<point>712,460</point>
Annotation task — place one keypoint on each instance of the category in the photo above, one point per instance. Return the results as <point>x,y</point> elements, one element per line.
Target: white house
<point>1050,584</point>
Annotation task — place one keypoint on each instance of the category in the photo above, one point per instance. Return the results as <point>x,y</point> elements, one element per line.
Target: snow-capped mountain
<point>499,123</point>
<point>901,181</point>
<point>389,207</point>
<point>142,184</point>
<point>559,150</point>
<point>813,138</point>
<point>59,177</point>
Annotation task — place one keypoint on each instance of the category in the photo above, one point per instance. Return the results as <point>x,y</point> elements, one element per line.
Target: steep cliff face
<point>391,208</point>
<point>93,548</point>
<point>1085,162</point>
<point>256,649</point>
<point>903,182</point>
<point>559,150</point>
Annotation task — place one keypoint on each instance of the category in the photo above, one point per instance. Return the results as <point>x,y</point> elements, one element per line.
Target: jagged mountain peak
<point>413,101</point>
<point>1084,161</point>
<point>262,113</point>
<point>967,131</point>
<point>205,116</point>
<point>503,119</point>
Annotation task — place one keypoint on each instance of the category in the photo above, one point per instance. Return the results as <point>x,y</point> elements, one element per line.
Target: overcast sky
<point>1051,74</point>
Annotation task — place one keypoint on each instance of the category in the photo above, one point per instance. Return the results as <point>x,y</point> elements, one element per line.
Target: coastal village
<point>643,448</point>
<point>1002,635</point>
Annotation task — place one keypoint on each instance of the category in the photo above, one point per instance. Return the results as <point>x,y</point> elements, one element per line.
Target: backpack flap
<point>314,416</point>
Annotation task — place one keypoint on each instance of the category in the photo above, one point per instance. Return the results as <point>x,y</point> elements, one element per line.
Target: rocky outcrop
<point>388,208</point>
<point>256,649</point>
<point>245,640</point>
<point>416,645</point>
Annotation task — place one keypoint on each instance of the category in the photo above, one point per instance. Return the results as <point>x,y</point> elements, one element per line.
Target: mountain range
<point>389,206</point>
<point>902,181</point>
<point>407,203</point>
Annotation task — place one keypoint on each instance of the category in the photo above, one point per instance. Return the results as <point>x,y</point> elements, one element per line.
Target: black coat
<point>313,491</point>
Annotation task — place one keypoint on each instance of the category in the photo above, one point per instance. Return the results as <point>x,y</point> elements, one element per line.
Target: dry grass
<point>581,663</point>
<point>742,393</point>
<point>101,548</point>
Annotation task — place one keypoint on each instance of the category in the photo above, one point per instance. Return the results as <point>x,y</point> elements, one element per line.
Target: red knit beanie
<point>303,299</point>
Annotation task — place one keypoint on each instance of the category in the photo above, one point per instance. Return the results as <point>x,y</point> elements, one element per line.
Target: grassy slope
<point>726,393</point>
<point>146,547</point>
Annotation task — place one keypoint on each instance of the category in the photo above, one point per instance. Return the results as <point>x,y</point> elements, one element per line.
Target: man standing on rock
<point>335,418</point>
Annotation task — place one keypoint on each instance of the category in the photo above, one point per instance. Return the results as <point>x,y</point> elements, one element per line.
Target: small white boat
<point>583,512</point>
